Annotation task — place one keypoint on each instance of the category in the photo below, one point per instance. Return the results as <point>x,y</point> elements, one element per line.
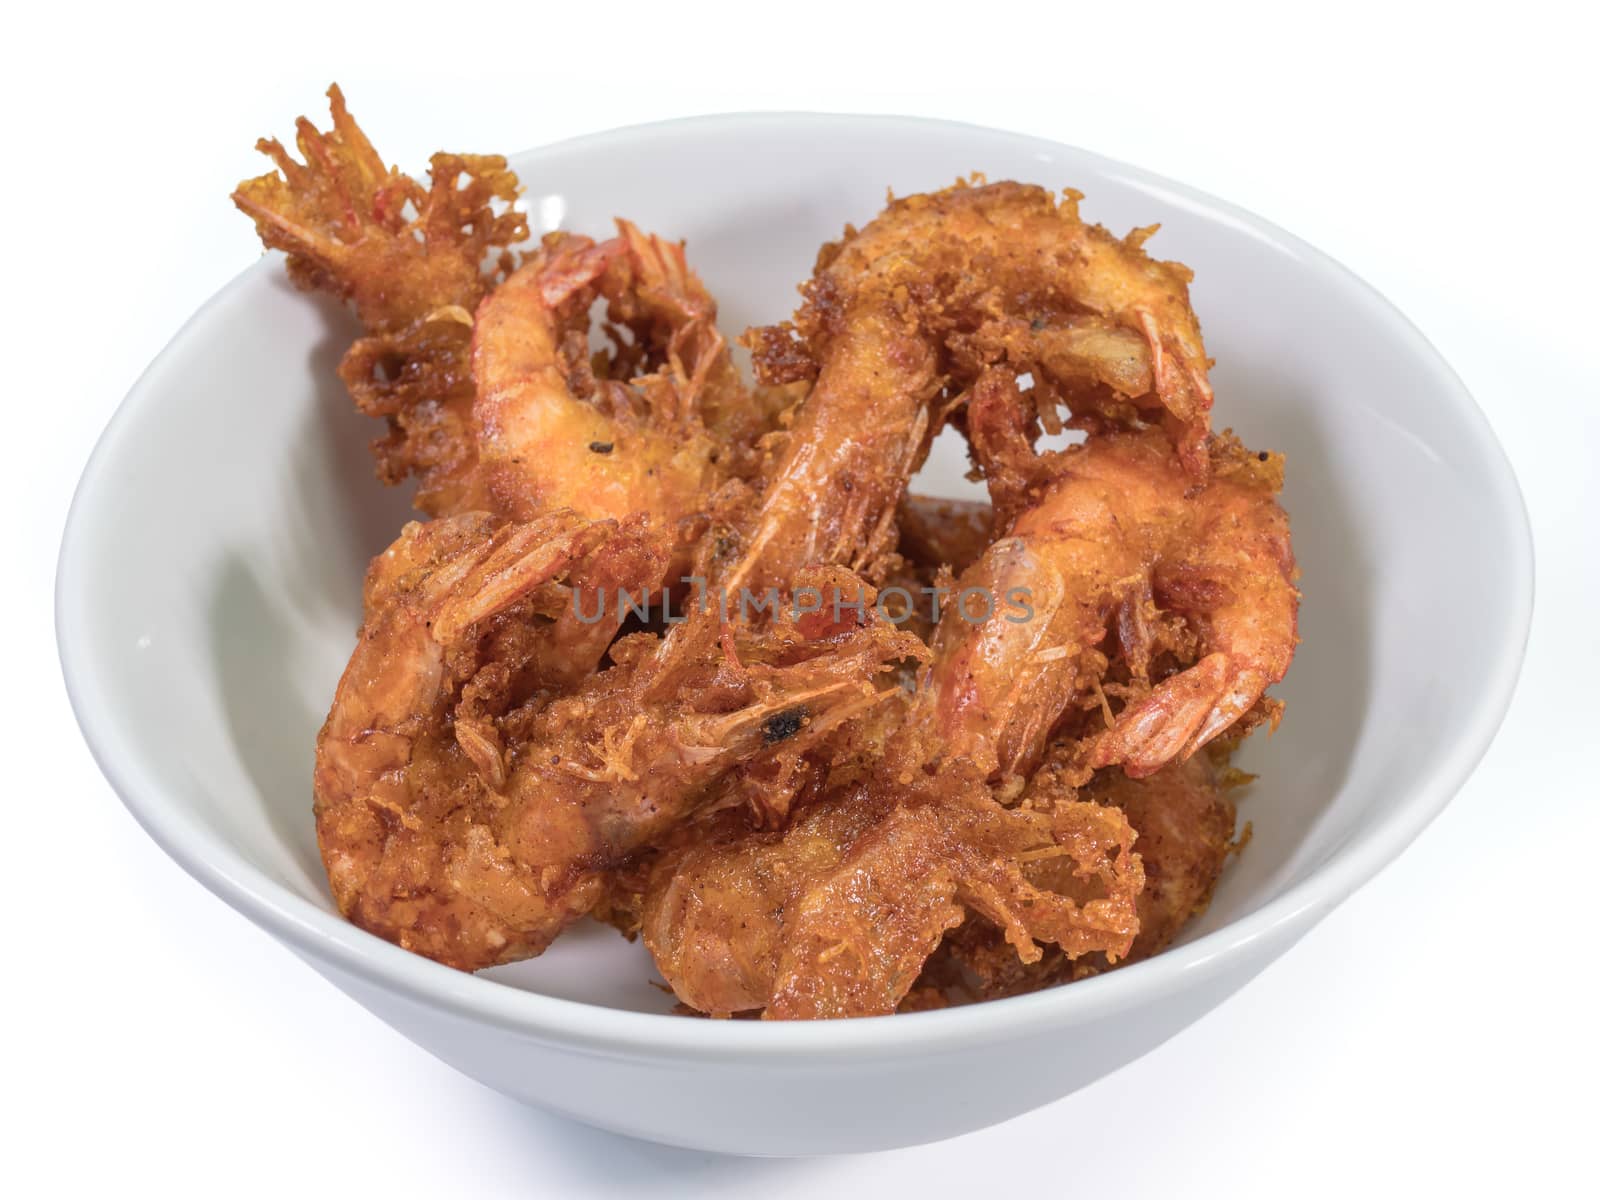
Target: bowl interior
<point>211,583</point>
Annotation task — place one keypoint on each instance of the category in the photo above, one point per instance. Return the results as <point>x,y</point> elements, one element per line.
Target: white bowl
<point>209,591</point>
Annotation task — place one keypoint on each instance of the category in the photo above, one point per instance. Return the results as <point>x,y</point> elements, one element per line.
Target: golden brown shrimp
<point>397,784</point>
<point>1232,577</point>
<point>921,300</point>
<point>992,696</point>
<point>1104,533</point>
<point>671,320</point>
<point>610,453</point>
<point>414,262</point>
<point>1184,816</point>
<point>467,814</point>
<point>1106,330</point>
<point>835,916</point>
<point>417,283</point>
<point>654,426</point>
<point>1096,535</point>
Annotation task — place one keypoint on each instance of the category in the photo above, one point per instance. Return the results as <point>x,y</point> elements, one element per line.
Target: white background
<point>1437,1031</point>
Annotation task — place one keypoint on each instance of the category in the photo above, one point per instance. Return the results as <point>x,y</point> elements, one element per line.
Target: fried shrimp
<point>414,261</point>
<point>1103,536</point>
<point>398,775</point>
<point>467,812</point>
<point>419,263</point>
<point>1096,534</point>
<point>554,435</point>
<point>673,340</point>
<point>916,304</point>
<point>1075,543</point>
<point>644,663</point>
<point>835,916</point>
<point>1184,816</point>
<point>1232,578</point>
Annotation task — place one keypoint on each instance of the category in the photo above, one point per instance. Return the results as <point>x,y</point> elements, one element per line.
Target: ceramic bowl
<point>209,589</point>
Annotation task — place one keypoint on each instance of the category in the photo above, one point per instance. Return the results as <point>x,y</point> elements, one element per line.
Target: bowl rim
<point>325,936</point>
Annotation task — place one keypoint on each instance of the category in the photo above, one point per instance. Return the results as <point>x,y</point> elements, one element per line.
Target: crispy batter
<point>1110,531</point>
<point>892,320</point>
<point>415,261</point>
<point>1095,532</point>
<point>804,813</point>
<point>552,434</point>
<point>465,812</point>
<point>420,263</point>
<point>1184,817</point>
<point>835,917</point>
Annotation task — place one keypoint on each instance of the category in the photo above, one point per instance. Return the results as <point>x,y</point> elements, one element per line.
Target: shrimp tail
<point>341,215</point>
<point>415,262</point>
<point>1180,716</point>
